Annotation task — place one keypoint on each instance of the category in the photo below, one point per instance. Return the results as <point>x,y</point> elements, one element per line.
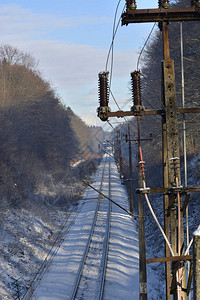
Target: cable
<point>114,99</point>
<point>114,33</point>
<point>145,45</point>
<point>155,218</point>
<point>115,28</point>
<point>123,116</point>
<point>112,126</point>
<point>146,196</point>
<point>112,52</point>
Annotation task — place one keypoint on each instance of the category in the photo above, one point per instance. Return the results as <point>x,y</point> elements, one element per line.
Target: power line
<point>114,33</point>
<point>144,46</point>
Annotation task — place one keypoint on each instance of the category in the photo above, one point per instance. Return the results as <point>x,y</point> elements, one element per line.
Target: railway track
<point>90,278</point>
<point>94,261</point>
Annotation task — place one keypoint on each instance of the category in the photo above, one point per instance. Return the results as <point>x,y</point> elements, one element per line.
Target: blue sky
<point>71,40</point>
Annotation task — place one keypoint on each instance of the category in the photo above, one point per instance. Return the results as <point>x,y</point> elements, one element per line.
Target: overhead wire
<point>141,155</point>
<point>111,125</point>
<point>144,183</point>
<point>113,34</point>
<point>145,45</point>
<point>146,195</point>
<point>114,99</point>
<point>151,209</point>
<point>111,50</point>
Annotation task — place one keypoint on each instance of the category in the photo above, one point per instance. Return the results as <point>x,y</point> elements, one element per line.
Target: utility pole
<point>130,172</point>
<point>174,206</point>
<point>119,155</point>
<point>165,207</point>
<point>120,159</point>
<point>173,157</point>
<point>117,150</point>
<point>196,252</point>
<point>142,246</point>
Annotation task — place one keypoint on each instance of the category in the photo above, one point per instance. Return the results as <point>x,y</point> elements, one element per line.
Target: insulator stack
<point>136,88</point>
<point>131,4</point>
<point>103,89</point>
<point>136,91</point>
<point>163,4</point>
<point>103,96</point>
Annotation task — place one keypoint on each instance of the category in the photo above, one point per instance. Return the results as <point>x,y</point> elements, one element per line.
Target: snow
<point>76,164</point>
<point>27,236</point>
<point>122,274</point>
<point>154,240</point>
<point>197,232</point>
<point>26,239</point>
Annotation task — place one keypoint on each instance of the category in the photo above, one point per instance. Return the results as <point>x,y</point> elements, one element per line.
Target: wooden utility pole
<point>173,162</point>
<point>130,172</point>
<point>165,207</point>
<point>142,246</point>
<point>120,156</point>
<point>173,219</point>
<point>118,150</point>
<point>173,157</point>
<point>172,190</point>
<point>196,253</point>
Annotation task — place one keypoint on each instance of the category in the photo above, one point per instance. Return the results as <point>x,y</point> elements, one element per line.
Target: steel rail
<point>106,242</point>
<point>49,258</point>
<point>82,264</point>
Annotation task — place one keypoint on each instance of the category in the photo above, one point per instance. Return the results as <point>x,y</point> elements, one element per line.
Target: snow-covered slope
<point>25,242</point>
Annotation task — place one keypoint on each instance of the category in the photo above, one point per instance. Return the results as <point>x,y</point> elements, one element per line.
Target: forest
<point>44,149</point>
<point>40,137</point>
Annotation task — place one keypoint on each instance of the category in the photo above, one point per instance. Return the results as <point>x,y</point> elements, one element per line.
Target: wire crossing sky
<point>71,41</point>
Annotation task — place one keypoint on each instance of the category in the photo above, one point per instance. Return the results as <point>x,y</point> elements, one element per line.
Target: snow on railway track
<point>91,275</point>
<point>109,268</point>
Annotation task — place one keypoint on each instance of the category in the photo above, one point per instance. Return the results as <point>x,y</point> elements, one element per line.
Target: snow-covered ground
<point>122,274</point>
<point>154,239</point>
<point>28,234</point>
<point>25,242</point>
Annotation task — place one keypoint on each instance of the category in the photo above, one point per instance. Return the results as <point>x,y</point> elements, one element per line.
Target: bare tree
<point>14,56</point>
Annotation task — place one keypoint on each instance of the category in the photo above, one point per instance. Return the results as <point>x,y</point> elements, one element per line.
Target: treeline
<point>39,136</point>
